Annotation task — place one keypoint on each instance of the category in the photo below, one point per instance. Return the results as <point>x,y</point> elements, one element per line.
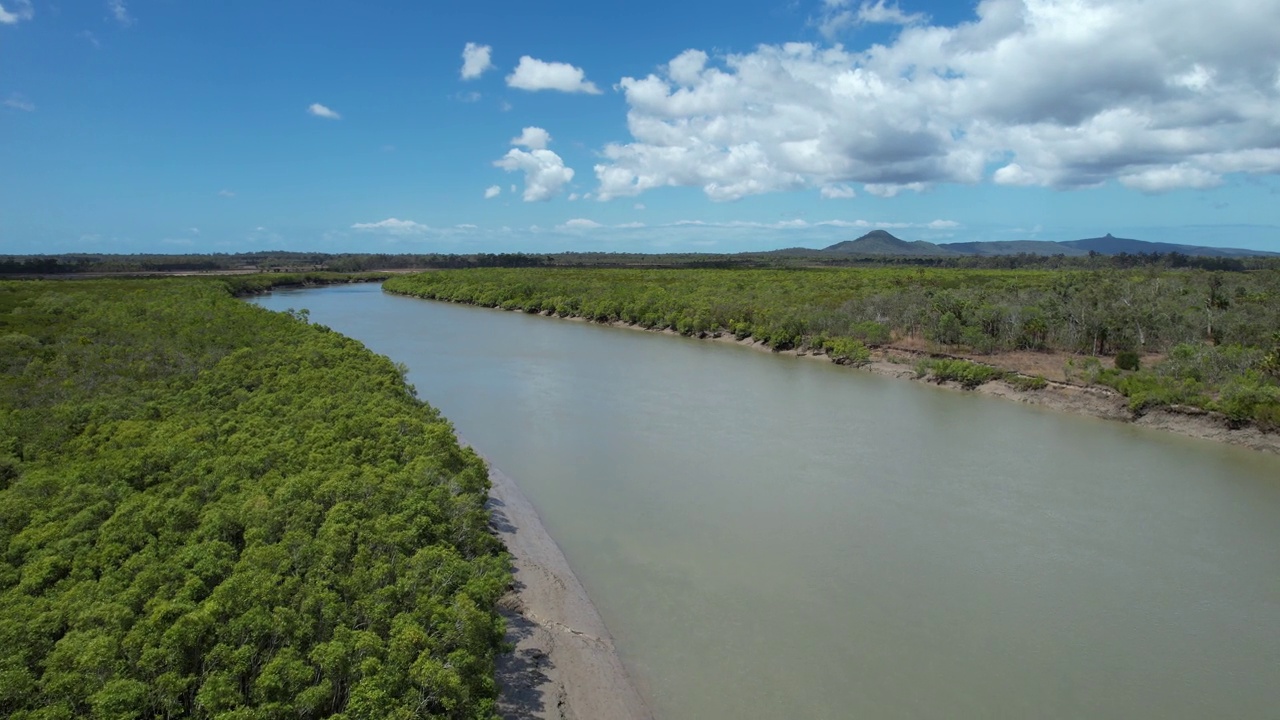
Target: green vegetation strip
<point>1221,331</point>
<point>210,510</point>
<point>969,374</point>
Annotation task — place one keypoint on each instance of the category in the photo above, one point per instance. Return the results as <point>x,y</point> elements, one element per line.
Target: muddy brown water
<point>774,538</point>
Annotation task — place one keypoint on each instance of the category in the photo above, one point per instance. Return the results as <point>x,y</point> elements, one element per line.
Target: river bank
<point>563,665</point>
<point>1065,396</point>
<point>1091,400</point>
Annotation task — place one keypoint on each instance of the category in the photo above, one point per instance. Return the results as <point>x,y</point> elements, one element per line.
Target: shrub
<point>1033,331</point>
<point>969,374</point>
<point>978,341</point>
<point>1147,390</point>
<point>787,334</point>
<point>1128,361</point>
<point>1249,397</point>
<point>870,332</point>
<point>1267,417</point>
<point>948,330</point>
<point>1208,363</point>
<point>847,351</point>
<point>1027,383</point>
<point>1270,363</point>
<point>1084,370</point>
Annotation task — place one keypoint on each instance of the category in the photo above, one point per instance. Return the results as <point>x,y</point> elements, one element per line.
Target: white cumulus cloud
<point>545,174</point>
<point>1014,174</point>
<point>17,11</point>
<point>492,192</point>
<point>1055,93</point>
<point>1161,179</point>
<point>321,111</point>
<point>837,16</point>
<point>393,226</point>
<point>579,224</point>
<point>888,190</point>
<point>534,74</point>
<point>476,60</point>
<point>882,12</point>
<point>534,138</point>
<point>837,192</point>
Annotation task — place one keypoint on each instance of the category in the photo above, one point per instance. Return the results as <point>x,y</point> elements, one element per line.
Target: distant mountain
<point>879,242</point>
<point>1110,245</point>
<point>1013,247</point>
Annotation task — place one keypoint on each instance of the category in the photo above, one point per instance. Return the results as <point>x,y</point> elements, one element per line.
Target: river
<point>769,537</point>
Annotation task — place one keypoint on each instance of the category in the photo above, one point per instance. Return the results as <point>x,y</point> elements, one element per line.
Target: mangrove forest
<point>212,510</point>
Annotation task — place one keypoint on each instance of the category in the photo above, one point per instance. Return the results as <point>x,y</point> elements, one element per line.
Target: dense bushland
<point>279,261</point>
<point>263,282</point>
<point>211,510</point>
<point>1241,382</point>
<point>1224,319</point>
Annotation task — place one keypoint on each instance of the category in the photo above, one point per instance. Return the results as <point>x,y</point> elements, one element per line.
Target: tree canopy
<point>211,510</point>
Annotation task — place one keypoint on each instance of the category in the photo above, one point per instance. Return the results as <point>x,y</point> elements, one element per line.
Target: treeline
<point>357,263</point>
<point>266,262</point>
<point>294,262</point>
<point>1222,327</point>
<point>91,263</point>
<point>257,283</point>
<point>211,510</point>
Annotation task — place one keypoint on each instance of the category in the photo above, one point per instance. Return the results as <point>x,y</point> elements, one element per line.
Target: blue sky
<point>188,126</point>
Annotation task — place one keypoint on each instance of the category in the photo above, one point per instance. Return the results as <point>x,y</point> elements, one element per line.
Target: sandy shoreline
<point>564,664</point>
